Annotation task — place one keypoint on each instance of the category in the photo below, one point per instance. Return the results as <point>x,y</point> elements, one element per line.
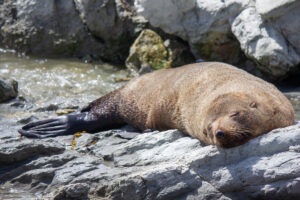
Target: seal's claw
<point>45,123</point>
<point>28,134</point>
<point>46,128</point>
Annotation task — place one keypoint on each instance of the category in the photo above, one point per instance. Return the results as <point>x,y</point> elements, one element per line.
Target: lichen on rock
<point>150,52</point>
<point>149,49</point>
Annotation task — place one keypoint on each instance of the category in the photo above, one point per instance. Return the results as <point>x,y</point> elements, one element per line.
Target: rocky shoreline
<point>156,165</point>
<point>259,36</point>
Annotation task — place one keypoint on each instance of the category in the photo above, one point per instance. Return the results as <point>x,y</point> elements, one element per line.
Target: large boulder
<point>113,22</point>
<point>264,31</point>
<point>101,29</point>
<point>8,89</point>
<point>45,28</point>
<point>156,165</point>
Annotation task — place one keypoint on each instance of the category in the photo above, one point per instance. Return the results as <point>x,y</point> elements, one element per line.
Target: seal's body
<point>215,102</point>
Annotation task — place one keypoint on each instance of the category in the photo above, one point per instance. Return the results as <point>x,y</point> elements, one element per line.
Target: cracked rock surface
<point>155,165</point>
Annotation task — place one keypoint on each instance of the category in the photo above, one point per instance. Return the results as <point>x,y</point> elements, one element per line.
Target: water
<point>9,193</point>
<point>294,96</point>
<point>43,80</point>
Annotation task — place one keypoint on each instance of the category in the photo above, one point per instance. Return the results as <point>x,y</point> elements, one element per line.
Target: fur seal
<point>215,102</point>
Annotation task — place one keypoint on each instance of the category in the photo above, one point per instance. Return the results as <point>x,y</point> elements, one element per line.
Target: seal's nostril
<point>220,134</point>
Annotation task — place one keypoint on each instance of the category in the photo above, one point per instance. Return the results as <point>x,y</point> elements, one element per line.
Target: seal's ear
<point>253,105</point>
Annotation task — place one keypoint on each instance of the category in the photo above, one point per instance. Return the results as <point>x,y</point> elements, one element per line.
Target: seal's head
<point>233,119</point>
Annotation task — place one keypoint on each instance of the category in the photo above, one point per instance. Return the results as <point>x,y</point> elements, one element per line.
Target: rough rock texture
<point>8,89</point>
<point>149,52</point>
<point>265,31</point>
<point>113,22</point>
<point>65,28</point>
<point>45,28</point>
<point>156,165</point>
<point>251,33</point>
<point>88,29</point>
<point>148,49</point>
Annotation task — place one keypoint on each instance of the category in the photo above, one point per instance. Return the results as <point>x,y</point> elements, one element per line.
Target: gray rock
<point>8,89</point>
<point>264,43</point>
<point>68,28</point>
<point>204,24</point>
<point>117,26</point>
<point>265,31</point>
<point>73,191</point>
<point>155,165</point>
<point>45,28</point>
<point>270,9</point>
<point>261,34</point>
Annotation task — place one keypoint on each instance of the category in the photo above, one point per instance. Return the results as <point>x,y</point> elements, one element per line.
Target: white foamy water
<point>41,80</point>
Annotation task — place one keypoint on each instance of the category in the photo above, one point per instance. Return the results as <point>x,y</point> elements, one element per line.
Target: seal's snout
<point>220,134</point>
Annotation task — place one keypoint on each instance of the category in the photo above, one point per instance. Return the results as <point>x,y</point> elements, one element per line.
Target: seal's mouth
<point>234,139</point>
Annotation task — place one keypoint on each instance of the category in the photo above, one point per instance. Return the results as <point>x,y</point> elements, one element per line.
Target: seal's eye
<point>235,114</point>
<point>253,105</point>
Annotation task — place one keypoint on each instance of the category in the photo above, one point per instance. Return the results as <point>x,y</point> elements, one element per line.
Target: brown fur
<point>199,99</point>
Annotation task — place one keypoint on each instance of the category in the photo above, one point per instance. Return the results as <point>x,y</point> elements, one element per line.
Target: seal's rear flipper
<point>63,125</point>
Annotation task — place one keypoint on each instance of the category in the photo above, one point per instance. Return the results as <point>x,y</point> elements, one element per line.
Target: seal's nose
<point>220,134</point>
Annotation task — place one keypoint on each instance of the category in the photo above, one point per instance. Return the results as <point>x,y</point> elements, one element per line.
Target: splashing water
<point>42,80</point>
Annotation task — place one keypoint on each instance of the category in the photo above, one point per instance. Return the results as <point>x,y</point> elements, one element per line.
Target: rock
<point>264,31</point>
<point>148,49</point>
<point>155,165</point>
<point>179,52</point>
<point>8,89</point>
<point>73,191</point>
<point>264,43</point>
<point>68,28</point>
<point>204,24</point>
<point>44,28</point>
<point>117,28</point>
<point>149,52</point>
<point>268,9</point>
<point>218,30</point>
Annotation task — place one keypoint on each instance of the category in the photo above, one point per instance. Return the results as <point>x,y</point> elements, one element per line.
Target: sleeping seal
<point>215,102</point>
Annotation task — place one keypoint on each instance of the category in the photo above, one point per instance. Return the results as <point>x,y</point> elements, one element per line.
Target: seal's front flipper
<point>63,125</point>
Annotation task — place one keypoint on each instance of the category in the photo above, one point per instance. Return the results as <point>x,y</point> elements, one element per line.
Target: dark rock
<point>8,89</point>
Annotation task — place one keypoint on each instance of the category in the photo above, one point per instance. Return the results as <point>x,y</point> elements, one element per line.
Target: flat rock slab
<point>155,165</point>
